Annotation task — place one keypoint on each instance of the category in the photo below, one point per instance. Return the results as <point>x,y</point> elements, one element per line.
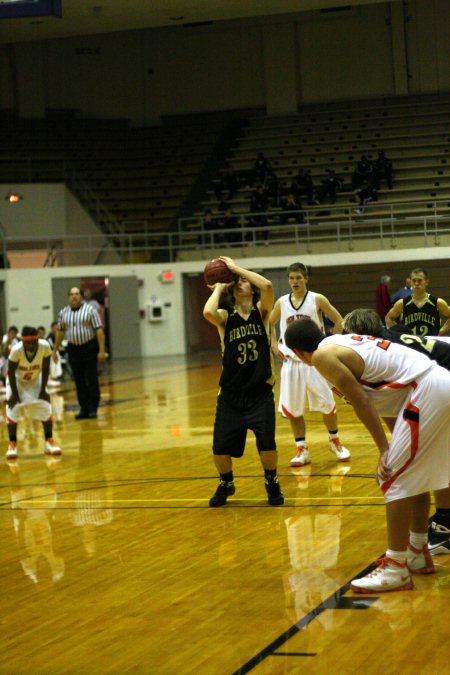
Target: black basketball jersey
<point>435,349</point>
<point>247,358</point>
<point>423,320</point>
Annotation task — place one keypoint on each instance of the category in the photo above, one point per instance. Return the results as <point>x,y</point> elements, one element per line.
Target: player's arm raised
<point>211,312</point>
<point>394,313</point>
<point>264,285</point>
<point>327,308</point>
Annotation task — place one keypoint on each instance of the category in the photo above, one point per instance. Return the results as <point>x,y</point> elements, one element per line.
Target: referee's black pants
<point>83,362</point>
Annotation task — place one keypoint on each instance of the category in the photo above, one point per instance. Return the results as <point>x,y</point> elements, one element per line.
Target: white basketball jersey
<point>389,369</point>
<point>290,313</point>
<point>27,370</point>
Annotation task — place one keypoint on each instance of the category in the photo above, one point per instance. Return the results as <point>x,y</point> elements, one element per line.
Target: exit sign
<point>167,277</point>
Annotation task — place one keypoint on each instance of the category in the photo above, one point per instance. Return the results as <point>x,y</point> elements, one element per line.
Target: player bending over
<point>28,369</point>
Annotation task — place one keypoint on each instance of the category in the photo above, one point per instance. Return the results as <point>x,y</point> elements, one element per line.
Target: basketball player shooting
<point>245,399</point>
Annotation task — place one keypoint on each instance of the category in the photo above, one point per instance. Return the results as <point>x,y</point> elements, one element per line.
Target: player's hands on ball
<point>229,263</point>
<point>223,288</point>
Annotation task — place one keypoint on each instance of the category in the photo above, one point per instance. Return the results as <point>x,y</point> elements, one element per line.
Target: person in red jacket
<point>383,298</point>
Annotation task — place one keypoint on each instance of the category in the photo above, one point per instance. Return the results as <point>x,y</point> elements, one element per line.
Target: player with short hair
<point>298,382</point>
<point>367,322</point>
<point>422,311</point>
<point>28,369</point>
<point>245,399</point>
<point>378,377</point>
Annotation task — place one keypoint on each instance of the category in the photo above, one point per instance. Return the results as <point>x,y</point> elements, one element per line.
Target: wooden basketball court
<point>113,562</point>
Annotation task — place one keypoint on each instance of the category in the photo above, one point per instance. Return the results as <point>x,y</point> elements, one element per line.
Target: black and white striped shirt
<point>80,325</point>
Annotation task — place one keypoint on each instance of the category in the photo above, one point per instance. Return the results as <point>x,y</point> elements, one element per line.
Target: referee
<point>86,344</point>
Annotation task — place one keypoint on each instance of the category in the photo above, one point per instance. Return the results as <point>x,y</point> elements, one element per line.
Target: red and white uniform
<point>28,380</point>
<point>405,384</point>
<point>299,381</point>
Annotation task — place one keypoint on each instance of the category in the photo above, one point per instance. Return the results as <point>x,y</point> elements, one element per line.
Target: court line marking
<point>329,603</point>
<point>115,503</point>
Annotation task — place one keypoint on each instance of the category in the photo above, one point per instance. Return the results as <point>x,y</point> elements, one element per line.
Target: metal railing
<point>200,244</point>
<point>89,249</point>
<point>131,241</point>
<point>337,224</point>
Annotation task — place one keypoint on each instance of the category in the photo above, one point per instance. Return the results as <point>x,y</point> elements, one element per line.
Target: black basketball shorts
<point>237,412</point>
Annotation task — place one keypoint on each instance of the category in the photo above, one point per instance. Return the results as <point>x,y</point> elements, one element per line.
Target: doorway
<point>117,298</point>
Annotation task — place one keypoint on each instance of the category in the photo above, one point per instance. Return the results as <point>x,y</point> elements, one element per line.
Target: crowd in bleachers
<point>312,168</point>
<point>285,201</point>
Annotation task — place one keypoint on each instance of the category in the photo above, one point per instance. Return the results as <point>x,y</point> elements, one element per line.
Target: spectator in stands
<point>259,200</point>
<point>273,189</point>
<point>331,185</point>
<point>223,206</point>
<point>258,210</point>
<point>228,185</point>
<point>364,172</point>
<point>366,193</point>
<point>403,292</point>
<point>229,221</point>
<point>261,168</point>
<point>303,186</point>
<point>382,297</point>
<point>383,168</point>
<point>291,209</point>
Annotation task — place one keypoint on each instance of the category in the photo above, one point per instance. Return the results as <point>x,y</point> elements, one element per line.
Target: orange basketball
<point>216,271</point>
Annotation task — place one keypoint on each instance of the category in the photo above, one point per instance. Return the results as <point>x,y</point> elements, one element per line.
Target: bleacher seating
<point>141,176</point>
<point>415,135</point>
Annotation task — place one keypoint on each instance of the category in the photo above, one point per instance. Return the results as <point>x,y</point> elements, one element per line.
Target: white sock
<point>398,556</point>
<point>418,539</point>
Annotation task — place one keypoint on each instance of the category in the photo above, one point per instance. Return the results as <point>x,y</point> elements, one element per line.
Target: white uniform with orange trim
<point>298,380</point>
<point>405,384</point>
<point>28,380</point>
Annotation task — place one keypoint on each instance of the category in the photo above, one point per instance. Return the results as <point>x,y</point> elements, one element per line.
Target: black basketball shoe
<point>275,496</point>
<point>438,537</point>
<point>223,491</point>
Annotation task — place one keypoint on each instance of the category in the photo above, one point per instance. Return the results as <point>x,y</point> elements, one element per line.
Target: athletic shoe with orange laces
<point>11,452</point>
<point>301,456</point>
<point>390,575</point>
<point>419,560</point>
<point>339,450</point>
<point>51,448</point>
